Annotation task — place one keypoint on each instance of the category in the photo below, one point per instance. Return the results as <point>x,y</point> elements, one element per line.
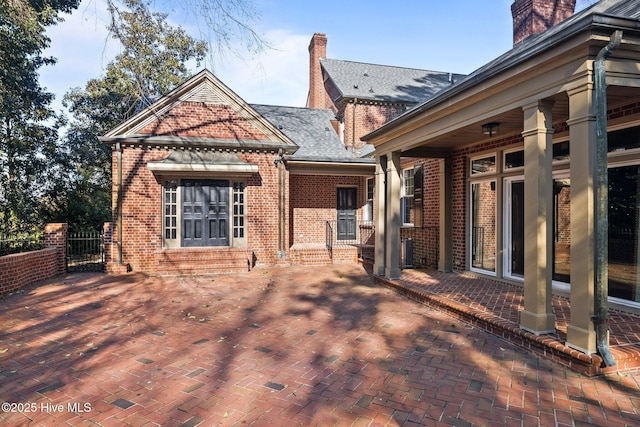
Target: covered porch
<point>520,150</point>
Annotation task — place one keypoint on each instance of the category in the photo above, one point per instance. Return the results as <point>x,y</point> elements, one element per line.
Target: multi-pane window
<point>368,215</point>
<point>238,210</point>
<point>171,210</point>
<point>406,202</point>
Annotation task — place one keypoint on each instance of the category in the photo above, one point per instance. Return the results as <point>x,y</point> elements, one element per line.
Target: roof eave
<point>581,25</point>
<point>178,142</point>
<point>357,167</point>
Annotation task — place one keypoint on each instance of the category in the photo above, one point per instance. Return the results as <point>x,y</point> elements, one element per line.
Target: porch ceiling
<point>511,123</point>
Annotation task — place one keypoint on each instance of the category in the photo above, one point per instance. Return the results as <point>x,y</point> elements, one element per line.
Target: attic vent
<point>204,94</point>
<point>366,74</point>
<point>355,86</point>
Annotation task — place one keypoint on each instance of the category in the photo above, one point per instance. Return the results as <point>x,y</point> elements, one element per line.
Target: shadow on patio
<point>495,306</point>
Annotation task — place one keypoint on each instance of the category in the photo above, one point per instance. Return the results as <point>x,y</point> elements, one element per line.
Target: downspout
<point>282,251</point>
<point>119,201</point>
<point>601,308</point>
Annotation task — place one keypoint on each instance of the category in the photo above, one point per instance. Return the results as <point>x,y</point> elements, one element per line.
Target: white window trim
<point>368,214</point>
<point>507,238</point>
<point>176,243</point>
<point>470,231</point>
<point>483,156</point>
<point>403,195</point>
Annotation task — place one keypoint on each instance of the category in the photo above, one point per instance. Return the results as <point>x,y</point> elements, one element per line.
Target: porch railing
<point>329,237</point>
<point>363,238</point>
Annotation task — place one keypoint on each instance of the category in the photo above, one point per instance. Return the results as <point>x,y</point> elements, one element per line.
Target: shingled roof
<point>386,83</point>
<point>312,131</point>
<point>600,14</point>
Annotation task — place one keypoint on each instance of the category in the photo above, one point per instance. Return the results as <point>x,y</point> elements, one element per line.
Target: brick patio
<point>289,346</point>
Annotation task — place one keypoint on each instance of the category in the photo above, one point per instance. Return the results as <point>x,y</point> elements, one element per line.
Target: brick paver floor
<point>275,346</point>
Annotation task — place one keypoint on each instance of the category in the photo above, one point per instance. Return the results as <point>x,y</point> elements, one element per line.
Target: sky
<point>452,36</point>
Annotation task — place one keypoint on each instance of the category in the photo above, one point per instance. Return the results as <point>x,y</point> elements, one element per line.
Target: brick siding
<point>197,119</point>
<point>142,247</point>
<point>24,269</point>
<point>313,203</point>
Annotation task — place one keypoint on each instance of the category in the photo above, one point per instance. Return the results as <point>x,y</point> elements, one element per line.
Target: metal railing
<point>85,251</point>
<point>362,235</point>
<point>329,238</point>
<point>14,245</point>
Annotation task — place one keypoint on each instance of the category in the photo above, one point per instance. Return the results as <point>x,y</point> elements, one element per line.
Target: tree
<point>27,124</point>
<point>44,178</point>
<point>152,62</point>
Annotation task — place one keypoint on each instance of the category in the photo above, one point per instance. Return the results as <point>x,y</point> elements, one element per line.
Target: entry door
<point>514,227</point>
<point>205,213</point>
<point>347,213</point>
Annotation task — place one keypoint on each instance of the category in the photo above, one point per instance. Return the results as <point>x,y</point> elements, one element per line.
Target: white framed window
<point>483,226</point>
<point>204,212</point>
<point>368,211</point>
<point>513,160</point>
<point>514,227</point>
<point>406,201</point>
<point>483,165</point>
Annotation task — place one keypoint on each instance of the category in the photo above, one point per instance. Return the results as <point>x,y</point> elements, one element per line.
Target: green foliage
<point>28,126</point>
<point>152,62</point>
<point>47,178</point>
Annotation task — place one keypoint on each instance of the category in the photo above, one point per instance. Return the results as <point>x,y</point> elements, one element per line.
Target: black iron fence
<point>21,243</point>
<point>85,251</point>
<point>363,238</point>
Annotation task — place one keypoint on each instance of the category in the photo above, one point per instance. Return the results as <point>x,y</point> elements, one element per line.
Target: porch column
<point>380,215</point>
<point>537,316</point>
<point>393,219</point>
<point>581,333</point>
<point>445,249</point>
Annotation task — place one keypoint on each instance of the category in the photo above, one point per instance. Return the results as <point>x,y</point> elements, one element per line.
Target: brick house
<point>363,97</point>
<point>204,182</point>
<point>538,160</point>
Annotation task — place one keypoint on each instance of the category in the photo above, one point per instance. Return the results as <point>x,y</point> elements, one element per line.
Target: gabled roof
<point>216,118</point>
<point>312,131</point>
<point>607,14</point>
<point>386,83</point>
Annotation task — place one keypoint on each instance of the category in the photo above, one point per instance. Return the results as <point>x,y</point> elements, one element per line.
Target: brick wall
<point>197,119</point>
<point>313,203</point>
<point>365,118</point>
<point>317,51</point>
<point>536,16</point>
<point>142,246</point>
<point>460,184</point>
<point>425,238</point>
<point>24,269</point>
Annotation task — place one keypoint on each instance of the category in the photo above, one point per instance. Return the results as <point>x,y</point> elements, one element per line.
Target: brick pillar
<point>537,16</point>
<point>317,51</point>
<point>55,236</point>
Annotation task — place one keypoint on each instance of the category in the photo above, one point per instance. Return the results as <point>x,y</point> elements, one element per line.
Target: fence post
<point>107,241</point>
<point>55,236</point>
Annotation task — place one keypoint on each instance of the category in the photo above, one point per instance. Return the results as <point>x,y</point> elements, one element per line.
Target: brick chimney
<point>317,51</point>
<point>537,16</point>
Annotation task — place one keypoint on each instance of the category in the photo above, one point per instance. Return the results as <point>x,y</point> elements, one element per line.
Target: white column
<point>537,316</point>
<point>393,214</point>
<point>582,130</point>
<point>380,215</point>
<point>445,249</point>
